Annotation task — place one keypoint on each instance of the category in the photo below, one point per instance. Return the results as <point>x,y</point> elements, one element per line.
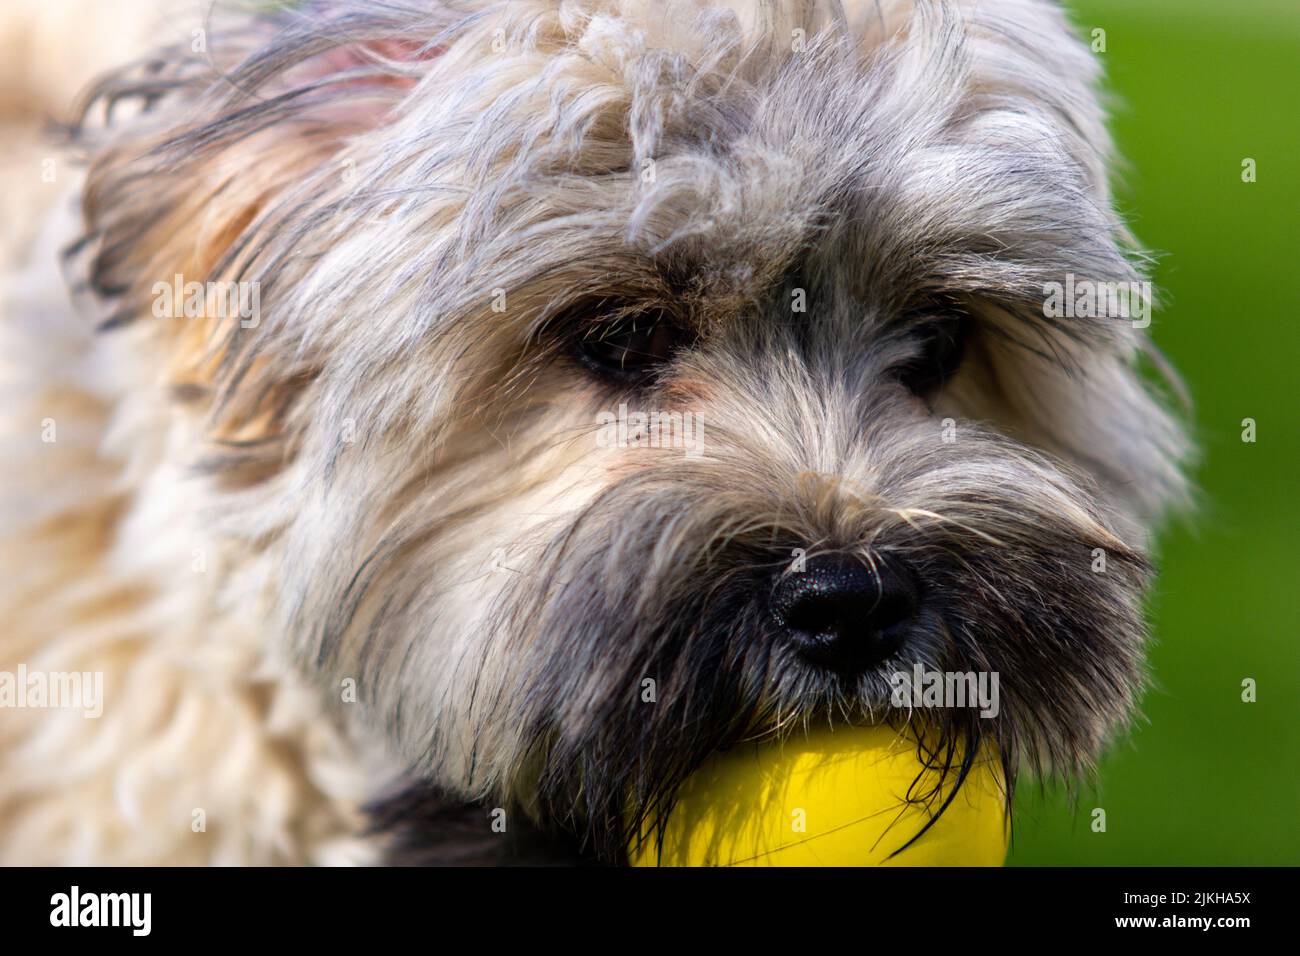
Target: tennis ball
<point>831,798</point>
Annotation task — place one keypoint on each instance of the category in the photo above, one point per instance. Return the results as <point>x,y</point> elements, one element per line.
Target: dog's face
<point>820,242</point>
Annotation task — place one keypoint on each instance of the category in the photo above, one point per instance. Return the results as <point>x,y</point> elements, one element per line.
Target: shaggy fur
<point>390,480</point>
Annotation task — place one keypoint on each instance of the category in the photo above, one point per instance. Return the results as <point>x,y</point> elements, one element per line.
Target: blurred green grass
<point>1208,779</point>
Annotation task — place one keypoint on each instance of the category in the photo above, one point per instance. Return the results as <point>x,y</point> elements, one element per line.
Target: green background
<point>1207,779</point>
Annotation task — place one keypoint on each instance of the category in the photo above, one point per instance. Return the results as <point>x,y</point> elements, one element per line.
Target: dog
<point>314,463</point>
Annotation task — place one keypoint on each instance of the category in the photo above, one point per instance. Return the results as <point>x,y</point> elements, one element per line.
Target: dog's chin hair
<point>616,599</point>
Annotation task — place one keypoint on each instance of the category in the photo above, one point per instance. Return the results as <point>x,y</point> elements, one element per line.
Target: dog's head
<point>811,244</point>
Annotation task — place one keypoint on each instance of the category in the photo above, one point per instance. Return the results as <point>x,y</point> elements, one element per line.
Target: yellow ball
<point>833,798</point>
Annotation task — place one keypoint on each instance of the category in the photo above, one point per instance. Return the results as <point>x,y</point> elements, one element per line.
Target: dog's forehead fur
<point>944,154</point>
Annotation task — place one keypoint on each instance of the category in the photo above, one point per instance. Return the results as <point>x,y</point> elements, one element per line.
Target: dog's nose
<point>844,614</point>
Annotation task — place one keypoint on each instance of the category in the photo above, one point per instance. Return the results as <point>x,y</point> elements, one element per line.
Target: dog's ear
<point>200,152</point>
<point>1078,387</point>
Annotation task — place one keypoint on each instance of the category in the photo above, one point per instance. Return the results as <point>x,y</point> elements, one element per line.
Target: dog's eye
<point>942,343</point>
<point>630,349</point>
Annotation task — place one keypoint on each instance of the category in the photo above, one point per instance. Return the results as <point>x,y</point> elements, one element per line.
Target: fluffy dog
<point>312,474</point>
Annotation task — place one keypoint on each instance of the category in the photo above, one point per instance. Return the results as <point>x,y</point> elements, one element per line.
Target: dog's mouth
<point>668,621</point>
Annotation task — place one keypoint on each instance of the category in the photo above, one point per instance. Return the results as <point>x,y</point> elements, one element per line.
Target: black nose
<point>844,614</point>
